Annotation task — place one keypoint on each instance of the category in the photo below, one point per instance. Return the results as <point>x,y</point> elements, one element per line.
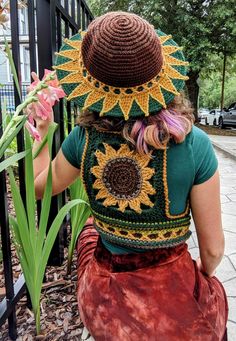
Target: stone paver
<point>226,271</point>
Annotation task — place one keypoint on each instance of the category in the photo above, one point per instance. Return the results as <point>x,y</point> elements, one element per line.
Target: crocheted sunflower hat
<point>121,67</point>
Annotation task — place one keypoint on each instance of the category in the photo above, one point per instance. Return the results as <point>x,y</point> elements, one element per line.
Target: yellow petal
<point>109,103</point>
<point>169,49</point>
<point>74,77</point>
<point>172,73</point>
<point>110,152</point>
<point>156,93</point>
<point>147,187</point>
<point>97,171</point>
<point>103,193</point>
<point>101,158</point>
<point>71,54</point>
<point>147,172</point>
<point>163,39</point>
<point>143,160</point>
<point>143,102</point>
<point>124,151</point>
<point>68,66</point>
<point>166,83</point>
<point>80,90</point>
<point>76,44</point>
<point>125,105</point>
<point>98,184</point>
<point>134,204</point>
<point>92,98</point>
<point>174,61</point>
<point>110,201</point>
<point>122,205</point>
<point>145,200</point>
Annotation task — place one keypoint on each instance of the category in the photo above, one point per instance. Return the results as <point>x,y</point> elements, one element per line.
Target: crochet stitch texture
<point>128,194</point>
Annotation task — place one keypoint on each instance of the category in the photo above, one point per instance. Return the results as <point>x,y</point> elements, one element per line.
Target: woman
<point>144,167</point>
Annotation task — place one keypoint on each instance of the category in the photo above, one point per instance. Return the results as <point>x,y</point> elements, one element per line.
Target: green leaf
<point>30,190</point>
<point>11,137</point>
<point>11,160</point>
<point>12,65</point>
<point>47,197</point>
<point>39,149</point>
<point>51,236</point>
<point>21,219</point>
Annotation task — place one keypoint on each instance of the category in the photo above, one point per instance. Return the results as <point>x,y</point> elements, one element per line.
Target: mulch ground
<point>216,130</point>
<point>60,318</point>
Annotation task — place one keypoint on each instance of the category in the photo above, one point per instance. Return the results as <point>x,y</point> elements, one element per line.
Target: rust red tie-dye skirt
<point>153,296</point>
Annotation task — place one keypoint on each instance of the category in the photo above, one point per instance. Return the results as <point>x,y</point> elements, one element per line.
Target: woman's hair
<point>155,131</point>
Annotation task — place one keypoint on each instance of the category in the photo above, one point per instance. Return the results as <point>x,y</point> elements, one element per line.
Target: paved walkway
<point>226,144</point>
<point>226,271</point>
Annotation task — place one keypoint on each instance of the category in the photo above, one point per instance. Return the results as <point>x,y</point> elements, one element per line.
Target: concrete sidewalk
<point>225,144</point>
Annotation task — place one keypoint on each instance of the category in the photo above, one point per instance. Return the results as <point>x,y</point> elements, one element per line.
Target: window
<point>25,63</point>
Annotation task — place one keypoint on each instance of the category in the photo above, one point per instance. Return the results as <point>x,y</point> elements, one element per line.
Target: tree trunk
<point>193,91</point>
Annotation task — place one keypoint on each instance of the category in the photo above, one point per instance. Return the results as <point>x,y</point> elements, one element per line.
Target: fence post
<point>46,37</point>
<point>6,249</point>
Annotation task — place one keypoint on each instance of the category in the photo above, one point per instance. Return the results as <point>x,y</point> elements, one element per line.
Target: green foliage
<point>211,82</point>
<point>79,215</point>
<point>33,244</point>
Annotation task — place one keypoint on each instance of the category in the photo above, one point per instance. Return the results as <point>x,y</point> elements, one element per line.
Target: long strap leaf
<point>11,160</point>
<point>10,138</point>
<point>21,219</point>
<point>29,187</point>
<point>52,233</point>
<point>47,197</point>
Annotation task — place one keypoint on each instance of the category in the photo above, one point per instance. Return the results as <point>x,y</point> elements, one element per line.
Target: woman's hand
<point>200,267</point>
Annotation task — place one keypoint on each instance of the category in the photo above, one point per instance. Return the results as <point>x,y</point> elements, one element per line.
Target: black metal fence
<point>49,21</point>
<point>7,97</point>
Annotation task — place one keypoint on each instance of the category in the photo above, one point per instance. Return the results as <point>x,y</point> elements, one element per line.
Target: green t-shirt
<point>189,163</point>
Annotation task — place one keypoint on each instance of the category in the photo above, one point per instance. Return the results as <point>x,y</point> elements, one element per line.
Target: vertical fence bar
<point>16,59</point>
<point>83,16</point>
<point>79,13</point>
<point>46,27</point>
<point>6,249</point>
<point>32,40</point>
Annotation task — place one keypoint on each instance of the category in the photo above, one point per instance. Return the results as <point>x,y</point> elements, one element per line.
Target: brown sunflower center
<point>122,178</point>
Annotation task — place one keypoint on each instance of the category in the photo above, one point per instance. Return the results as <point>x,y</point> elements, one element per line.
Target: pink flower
<point>33,131</point>
<point>40,108</point>
<point>46,97</point>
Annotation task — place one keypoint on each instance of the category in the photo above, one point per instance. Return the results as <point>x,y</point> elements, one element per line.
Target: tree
<point>202,27</point>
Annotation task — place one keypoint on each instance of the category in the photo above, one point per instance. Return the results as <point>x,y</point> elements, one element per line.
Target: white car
<point>211,117</point>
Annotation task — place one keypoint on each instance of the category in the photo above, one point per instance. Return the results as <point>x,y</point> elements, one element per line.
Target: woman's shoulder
<point>197,136</point>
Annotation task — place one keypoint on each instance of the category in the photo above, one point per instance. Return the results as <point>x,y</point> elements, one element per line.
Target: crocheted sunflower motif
<point>122,178</point>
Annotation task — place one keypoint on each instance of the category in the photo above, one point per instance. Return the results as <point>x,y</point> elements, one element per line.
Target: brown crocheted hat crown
<point>121,49</point>
<point>121,67</point>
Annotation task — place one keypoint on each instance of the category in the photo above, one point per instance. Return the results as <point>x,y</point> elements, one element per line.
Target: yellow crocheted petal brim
<point>143,100</point>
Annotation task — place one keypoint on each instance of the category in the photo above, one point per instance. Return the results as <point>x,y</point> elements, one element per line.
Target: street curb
<point>224,151</point>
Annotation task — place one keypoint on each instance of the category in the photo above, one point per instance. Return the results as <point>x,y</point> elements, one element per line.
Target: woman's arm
<point>206,211</point>
<point>63,173</point>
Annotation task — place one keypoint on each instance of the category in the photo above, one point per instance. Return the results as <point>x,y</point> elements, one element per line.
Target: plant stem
<point>37,319</point>
<point>30,98</point>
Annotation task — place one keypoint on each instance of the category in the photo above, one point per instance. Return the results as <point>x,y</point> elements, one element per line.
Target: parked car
<point>228,117</point>
<point>210,117</point>
<point>201,113</point>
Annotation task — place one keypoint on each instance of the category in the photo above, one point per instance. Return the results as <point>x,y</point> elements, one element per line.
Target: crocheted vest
<point>128,194</point>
